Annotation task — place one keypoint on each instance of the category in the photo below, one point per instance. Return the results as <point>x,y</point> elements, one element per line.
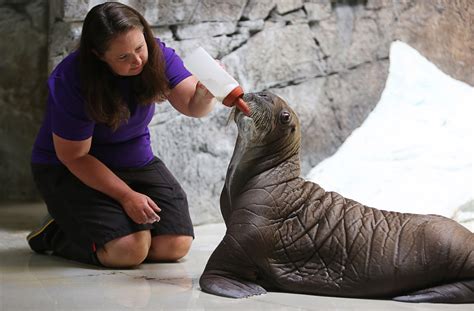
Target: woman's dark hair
<point>104,101</point>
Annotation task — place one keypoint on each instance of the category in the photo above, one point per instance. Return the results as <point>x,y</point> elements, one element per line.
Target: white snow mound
<point>414,152</point>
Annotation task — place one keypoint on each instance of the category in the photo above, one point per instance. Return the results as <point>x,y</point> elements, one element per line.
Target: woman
<point>111,202</point>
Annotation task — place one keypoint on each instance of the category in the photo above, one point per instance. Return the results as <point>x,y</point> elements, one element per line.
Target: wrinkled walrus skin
<point>290,235</point>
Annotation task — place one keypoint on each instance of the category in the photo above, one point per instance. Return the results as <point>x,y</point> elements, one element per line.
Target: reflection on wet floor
<point>30,281</point>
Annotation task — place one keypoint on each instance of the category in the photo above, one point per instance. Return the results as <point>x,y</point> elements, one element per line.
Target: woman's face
<point>127,53</point>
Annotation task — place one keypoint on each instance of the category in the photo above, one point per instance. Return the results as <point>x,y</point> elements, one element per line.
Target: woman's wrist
<point>202,102</point>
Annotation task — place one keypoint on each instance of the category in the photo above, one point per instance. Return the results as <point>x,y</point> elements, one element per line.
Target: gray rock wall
<point>23,68</point>
<point>329,59</point>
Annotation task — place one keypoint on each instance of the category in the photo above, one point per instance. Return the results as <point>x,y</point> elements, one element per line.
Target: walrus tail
<point>457,292</point>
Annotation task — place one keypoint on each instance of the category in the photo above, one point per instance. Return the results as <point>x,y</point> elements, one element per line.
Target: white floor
<point>30,281</point>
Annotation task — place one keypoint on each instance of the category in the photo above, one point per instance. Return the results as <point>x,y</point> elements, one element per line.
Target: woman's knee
<point>127,251</point>
<point>169,247</point>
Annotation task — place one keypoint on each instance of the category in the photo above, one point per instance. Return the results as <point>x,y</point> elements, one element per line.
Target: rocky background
<point>23,72</point>
<point>329,59</point>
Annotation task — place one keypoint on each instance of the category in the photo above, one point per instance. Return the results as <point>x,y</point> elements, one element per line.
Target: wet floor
<point>29,281</point>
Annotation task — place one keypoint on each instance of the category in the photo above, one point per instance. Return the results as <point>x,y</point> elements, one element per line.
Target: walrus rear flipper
<point>458,292</point>
<point>227,287</point>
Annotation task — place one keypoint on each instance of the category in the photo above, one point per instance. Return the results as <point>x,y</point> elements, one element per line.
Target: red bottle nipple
<point>234,98</point>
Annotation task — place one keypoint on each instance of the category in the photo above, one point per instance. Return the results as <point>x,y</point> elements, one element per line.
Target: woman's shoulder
<point>68,67</point>
<point>175,69</point>
<point>165,49</point>
<point>64,81</point>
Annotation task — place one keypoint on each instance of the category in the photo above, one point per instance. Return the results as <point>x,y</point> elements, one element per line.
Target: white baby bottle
<point>218,81</point>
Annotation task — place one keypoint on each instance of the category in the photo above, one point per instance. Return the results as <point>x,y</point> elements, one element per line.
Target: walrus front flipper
<point>229,272</point>
<point>227,287</point>
<point>458,292</point>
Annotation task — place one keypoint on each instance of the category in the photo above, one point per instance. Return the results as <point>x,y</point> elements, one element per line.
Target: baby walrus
<point>290,235</point>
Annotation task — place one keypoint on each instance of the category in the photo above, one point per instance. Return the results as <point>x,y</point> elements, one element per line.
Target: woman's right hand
<point>140,208</point>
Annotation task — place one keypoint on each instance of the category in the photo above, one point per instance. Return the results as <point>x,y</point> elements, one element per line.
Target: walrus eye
<point>285,117</point>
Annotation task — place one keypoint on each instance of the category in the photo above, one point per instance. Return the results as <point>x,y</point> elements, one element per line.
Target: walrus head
<point>271,121</point>
<point>268,137</point>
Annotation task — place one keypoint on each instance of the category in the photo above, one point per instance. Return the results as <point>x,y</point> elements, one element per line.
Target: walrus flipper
<point>229,287</point>
<point>458,292</point>
<point>229,272</point>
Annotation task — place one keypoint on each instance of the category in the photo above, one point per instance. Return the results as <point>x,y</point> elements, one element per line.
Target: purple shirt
<point>128,146</point>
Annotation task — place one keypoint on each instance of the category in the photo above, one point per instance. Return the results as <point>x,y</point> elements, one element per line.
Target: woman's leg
<point>169,247</point>
<point>125,252</point>
<point>133,249</point>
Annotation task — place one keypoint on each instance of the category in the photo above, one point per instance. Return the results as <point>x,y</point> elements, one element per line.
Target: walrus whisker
<point>230,117</point>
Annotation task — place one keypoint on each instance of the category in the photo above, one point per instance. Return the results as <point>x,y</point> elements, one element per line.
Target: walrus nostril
<point>258,97</point>
<point>263,95</point>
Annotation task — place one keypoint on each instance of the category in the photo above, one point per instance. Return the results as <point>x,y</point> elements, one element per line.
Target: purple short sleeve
<point>69,120</point>
<point>175,70</point>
